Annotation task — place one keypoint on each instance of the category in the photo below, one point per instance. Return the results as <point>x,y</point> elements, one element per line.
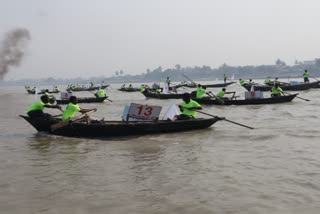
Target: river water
<point>274,168</point>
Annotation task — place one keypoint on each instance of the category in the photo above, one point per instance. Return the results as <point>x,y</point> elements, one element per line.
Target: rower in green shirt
<point>306,76</point>
<point>142,88</point>
<point>187,107</point>
<point>276,91</point>
<point>36,108</point>
<point>201,91</point>
<point>223,92</point>
<point>100,94</point>
<point>73,108</point>
<point>225,77</point>
<point>241,82</point>
<point>267,81</point>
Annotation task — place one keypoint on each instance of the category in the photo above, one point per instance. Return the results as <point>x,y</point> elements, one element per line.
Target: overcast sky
<point>72,38</point>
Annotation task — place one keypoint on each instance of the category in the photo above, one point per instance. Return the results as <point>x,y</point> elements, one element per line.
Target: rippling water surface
<point>274,168</point>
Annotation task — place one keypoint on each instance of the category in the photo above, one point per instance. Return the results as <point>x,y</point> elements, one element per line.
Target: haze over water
<point>224,169</point>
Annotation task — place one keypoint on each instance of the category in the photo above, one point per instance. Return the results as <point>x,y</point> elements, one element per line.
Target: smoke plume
<point>12,49</point>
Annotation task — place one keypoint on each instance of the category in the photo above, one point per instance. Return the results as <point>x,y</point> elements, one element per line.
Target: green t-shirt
<point>200,92</point>
<point>276,91</point>
<point>70,111</point>
<point>101,93</point>
<point>220,94</point>
<point>306,74</point>
<point>192,103</point>
<point>241,82</point>
<point>142,89</point>
<point>39,105</point>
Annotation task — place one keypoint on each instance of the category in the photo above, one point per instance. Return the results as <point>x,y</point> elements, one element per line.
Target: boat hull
<point>271,100</point>
<point>220,85</point>
<point>299,87</point>
<point>120,128</point>
<point>89,89</point>
<point>84,100</point>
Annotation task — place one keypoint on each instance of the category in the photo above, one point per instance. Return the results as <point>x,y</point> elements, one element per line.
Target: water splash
<point>12,49</point>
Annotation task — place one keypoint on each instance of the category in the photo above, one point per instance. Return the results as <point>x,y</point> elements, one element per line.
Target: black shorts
<point>185,117</point>
<point>39,114</point>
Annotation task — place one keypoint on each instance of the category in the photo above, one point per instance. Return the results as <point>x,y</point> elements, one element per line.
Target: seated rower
<point>36,109</point>
<point>73,108</point>
<point>187,108</point>
<point>100,94</point>
<point>56,89</point>
<point>306,76</point>
<point>251,82</point>
<point>130,86</point>
<point>241,82</point>
<point>223,92</point>
<point>201,91</point>
<point>276,91</point>
<point>142,88</point>
<point>267,81</point>
<point>123,86</point>
<point>158,90</point>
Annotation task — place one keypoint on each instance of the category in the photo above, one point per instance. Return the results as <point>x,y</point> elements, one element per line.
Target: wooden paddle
<point>189,79</point>
<point>297,96</point>
<point>210,94</point>
<point>62,124</point>
<point>223,118</point>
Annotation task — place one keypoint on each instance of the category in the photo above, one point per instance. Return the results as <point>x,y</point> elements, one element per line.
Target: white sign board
<point>253,95</point>
<point>144,112</point>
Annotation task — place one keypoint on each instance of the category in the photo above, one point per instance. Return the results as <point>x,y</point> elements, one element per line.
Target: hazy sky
<point>72,38</point>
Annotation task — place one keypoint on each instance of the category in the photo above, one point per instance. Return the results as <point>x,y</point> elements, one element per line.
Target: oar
<point>62,124</point>
<point>214,96</point>
<point>222,118</point>
<point>189,79</point>
<point>297,96</point>
<point>315,78</point>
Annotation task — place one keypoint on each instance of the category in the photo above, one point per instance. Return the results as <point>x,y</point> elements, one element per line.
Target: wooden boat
<point>298,87</point>
<point>129,89</point>
<point>270,100</point>
<point>87,88</point>
<point>84,100</point>
<point>219,85</point>
<point>30,91</point>
<point>151,94</point>
<point>105,129</point>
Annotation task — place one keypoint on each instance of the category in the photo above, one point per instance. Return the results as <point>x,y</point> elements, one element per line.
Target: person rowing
<point>241,82</point>
<point>73,108</point>
<point>187,108</point>
<point>123,86</point>
<point>251,82</point>
<point>201,91</point>
<point>100,94</point>
<point>225,77</point>
<point>267,81</point>
<point>276,91</point>
<point>35,110</point>
<point>223,92</point>
<point>306,76</point>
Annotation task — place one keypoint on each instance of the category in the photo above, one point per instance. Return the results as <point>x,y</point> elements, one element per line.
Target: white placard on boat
<point>144,112</point>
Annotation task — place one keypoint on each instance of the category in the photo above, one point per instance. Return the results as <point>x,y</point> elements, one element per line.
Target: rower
<point>276,91</point>
<point>130,86</point>
<point>46,92</point>
<point>36,109</point>
<point>56,89</point>
<point>142,88</point>
<point>276,81</point>
<point>123,86</point>
<point>168,81</point>
<point>251,82</point>
<point>100,94</point>
<point>201,91</point>
<point>187,108</point>
<point>267,81</point>
<point>306,76</point>
<point>223,92</point>
<point>91,84</point>
<point>225,77</point>
<point>73,108</point>
<point>158,90</point>
<point>241,82</point>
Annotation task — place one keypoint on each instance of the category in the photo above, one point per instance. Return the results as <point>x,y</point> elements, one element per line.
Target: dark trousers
<point>39,114</point>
